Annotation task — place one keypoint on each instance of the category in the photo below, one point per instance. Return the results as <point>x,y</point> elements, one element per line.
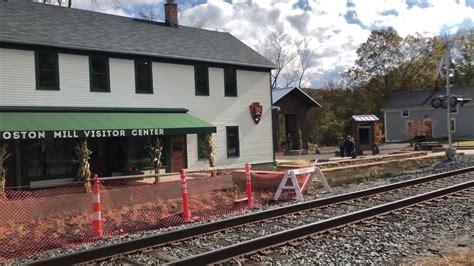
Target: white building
<point>69,75</point>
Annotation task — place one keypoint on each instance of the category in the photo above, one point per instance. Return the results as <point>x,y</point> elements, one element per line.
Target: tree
<point>305,56</point>
<point>377,57</point>
<point>331,121</point>
<point>462,54</point>
<point>388,63</point>
<point>288,78</point>
<point>419,127</point>
<point>276,47</point>
<point>150,12</point>
<point>378,133</point>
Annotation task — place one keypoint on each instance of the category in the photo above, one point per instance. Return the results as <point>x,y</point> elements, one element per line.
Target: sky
<point>334,29</point>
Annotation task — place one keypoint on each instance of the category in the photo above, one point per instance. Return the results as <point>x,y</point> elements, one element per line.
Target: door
<point>428,128</point>
<point>364,136</point>
<point>291,132</point>
<point>99,158</point>
<point>178,152</point>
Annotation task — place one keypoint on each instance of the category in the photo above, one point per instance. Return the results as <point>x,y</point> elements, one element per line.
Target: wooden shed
<point>363,129</point>
<point>289,110</point>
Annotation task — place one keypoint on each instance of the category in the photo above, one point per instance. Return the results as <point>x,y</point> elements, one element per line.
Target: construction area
<point>60,217</point>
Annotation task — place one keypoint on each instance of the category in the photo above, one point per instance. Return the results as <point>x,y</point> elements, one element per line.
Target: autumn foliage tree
<point>378,133</point>
<point>388,63</point>
<point>331,121</point>
<point>462,54</point>
<point>419,127</point>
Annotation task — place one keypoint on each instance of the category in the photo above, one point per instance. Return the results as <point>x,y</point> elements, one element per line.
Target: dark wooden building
<point>289,114</point>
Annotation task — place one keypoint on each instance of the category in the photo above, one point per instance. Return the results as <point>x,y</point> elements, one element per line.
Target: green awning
<point>35,125</point>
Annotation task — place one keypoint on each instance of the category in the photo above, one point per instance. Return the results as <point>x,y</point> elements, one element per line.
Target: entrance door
<point>99,159</point>
<point>178,152</point>
<point>291,131</point>
<point>107,156</point>
<point>364,136</point>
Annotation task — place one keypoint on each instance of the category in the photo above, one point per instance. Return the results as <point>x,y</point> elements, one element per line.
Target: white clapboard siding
<point>173,87</point>
<point>17,76</point>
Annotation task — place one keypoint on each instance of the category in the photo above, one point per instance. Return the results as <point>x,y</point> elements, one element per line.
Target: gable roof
<point>278,94</point>
<point>423,98</point>
<point>25,22</point>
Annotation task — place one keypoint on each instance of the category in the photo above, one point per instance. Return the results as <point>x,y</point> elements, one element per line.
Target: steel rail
<point>251,246</point>
<point>100,253</point>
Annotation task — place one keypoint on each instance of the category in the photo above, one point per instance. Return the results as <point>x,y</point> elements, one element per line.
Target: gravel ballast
<point>409,236</point>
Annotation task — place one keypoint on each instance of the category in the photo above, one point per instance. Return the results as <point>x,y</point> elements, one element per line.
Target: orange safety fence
<point>37,220</point>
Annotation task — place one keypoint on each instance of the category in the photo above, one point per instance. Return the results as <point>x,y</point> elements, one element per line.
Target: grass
<point>464,143</point>
<point>292,162</point>
<point>456,142</point>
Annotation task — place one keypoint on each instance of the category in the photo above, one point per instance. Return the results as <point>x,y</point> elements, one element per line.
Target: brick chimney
<point>171,13</point>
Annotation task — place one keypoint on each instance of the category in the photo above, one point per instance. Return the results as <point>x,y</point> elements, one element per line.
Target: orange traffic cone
<point>96,214</point>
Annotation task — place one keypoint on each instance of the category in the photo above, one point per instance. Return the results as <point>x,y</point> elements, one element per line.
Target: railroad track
<point>313,216</point>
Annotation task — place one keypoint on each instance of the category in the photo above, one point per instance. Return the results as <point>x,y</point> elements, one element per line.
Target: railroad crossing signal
<point>441,101</point>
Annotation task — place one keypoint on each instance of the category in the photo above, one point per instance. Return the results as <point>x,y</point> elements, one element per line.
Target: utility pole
<point>450,151</point>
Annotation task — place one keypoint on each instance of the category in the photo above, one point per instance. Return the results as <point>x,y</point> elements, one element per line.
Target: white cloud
<point>333,38</point>
<point>428,21</point>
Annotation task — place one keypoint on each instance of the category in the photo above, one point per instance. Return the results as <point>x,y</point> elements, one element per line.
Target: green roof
<point>171,123</point>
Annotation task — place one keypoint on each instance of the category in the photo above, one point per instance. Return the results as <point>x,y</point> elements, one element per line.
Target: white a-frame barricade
<point>291,175</point>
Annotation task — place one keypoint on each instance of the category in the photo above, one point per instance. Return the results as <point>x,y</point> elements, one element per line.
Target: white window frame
<point>401,113</point>
<point>453,124</point>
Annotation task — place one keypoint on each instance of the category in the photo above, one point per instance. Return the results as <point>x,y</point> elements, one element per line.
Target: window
<point>230,81</point>
<point>233,149</point>
<point>405,113</point>
<point>202,138</point>
<point>454,110</point>
<point>453,124</point>
<point>143,76</point>
<point>137,157</point>
<point>409,124</point>
<point>99,73</point>
<point>47,70</point>
<point>50,159</point>
<point>201,77</point>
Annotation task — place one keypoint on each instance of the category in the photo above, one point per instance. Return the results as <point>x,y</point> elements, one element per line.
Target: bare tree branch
<point>276,48</point>
<point>151,13</point>
<point>289,78</point>
<point>305,56</point>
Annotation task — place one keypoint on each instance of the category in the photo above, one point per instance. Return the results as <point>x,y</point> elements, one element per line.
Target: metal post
<point>450,151</point>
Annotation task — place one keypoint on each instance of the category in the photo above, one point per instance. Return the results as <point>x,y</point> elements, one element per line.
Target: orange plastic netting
<point>36,220</point>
